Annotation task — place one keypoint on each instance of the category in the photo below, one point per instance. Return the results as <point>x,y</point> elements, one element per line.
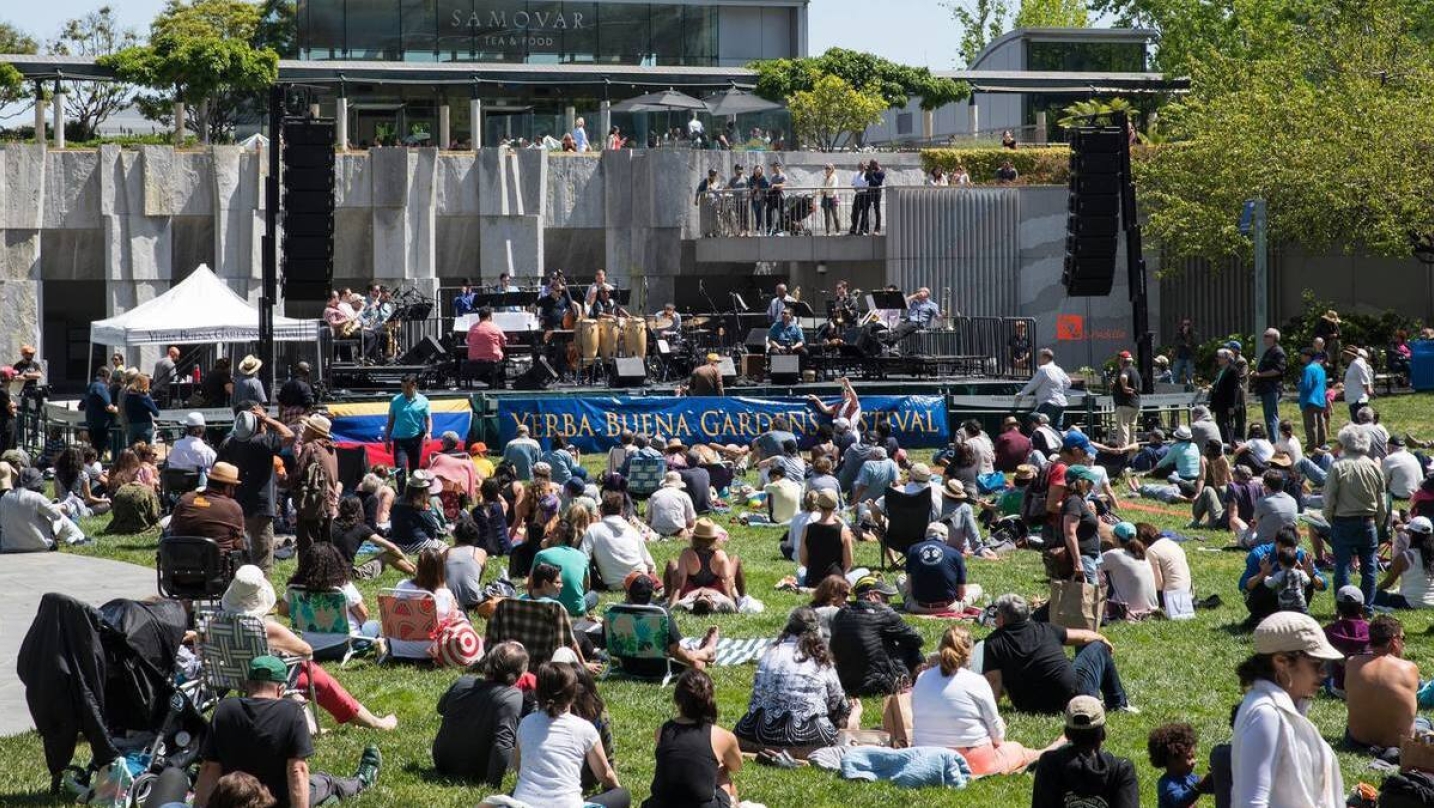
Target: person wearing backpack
<point>317,486</point>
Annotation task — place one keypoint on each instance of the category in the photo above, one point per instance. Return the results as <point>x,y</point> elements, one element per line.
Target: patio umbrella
<point>733,101</point>
<point>661,101</point>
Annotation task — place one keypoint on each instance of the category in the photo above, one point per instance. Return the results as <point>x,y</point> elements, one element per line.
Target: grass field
<point>1172,671</point>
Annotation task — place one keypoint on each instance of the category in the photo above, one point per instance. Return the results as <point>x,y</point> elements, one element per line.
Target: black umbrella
<point>661,101</point>
<point>733,101</point>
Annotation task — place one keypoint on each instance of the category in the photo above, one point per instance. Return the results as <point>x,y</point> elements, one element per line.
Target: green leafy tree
<point>89,103</point>
<point>896,84</point>
<point>12,84</point>
<point>278,30</point>
<point>201,53</point>
<point>981,21</point>
<point>1095,111</point>
<point>1334,131</point>
<point>833,113</point>
<point>1052,14</point>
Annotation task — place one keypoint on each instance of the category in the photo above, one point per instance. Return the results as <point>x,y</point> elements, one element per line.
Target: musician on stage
<point>504,285</point>
<point>921,310</point>
<point>344,322</point>
<point>486,342</point>
<point>706,380</point>
<point>669,312</point>
<point>604,306</point>
<point>377,307</point>
<point>463,301</point>
<point>843,307</point>
<point>599,283</point>
<point>553,306</point>
<point>778,304</point>
<point>556,276</point>
<point>785,336</point>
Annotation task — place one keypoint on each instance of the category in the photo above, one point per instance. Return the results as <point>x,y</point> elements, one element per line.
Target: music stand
<point>801,308</point>
<point>886,300</point>
<point>517,299</point>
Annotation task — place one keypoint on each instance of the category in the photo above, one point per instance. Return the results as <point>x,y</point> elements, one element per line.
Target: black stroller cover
<point>92,672</point>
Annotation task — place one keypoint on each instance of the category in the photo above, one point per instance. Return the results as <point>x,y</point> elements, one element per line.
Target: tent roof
<point>202,308</point>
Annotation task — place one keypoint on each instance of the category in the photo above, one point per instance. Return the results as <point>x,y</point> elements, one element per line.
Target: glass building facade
<point>510,31</point>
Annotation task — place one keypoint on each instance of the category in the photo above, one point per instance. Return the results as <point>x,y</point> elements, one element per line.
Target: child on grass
<point>1172,748</point>
<point>1289,582</point>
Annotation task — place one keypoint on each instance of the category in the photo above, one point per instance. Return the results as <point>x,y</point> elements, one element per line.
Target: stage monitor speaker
<point>538,377</point>
<point>628,371</point>
<point>729,371</point>
<point>426,352</point>
<point>784,368</point>
<point>756,341</point>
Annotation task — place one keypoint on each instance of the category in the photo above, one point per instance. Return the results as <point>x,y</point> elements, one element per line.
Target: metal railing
<point>792,211</point>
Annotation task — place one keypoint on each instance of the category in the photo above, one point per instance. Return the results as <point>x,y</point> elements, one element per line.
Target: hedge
<point>1045,165</point>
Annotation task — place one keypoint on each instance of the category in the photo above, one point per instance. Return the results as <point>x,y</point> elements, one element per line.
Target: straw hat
<point>706,529</point>
<point>675,444</point>
<point>250,365</point>
<point>249,593</point>
<point>1281,460</point>
<point>1025,472</point>
<point>954,489</point>
<point>224,473</point>
<point>1332,316</point>
<point>920,473</point>
<point>425,480</point>
<point>672,480</point>
<point>319,425</point>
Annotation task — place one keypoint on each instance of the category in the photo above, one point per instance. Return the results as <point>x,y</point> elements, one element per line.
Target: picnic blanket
<point>738,651</point>
<point>969,613</point>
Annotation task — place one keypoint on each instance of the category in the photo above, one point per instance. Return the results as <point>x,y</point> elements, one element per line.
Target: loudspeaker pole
<point>1135,267</point>
<point>270,246</point>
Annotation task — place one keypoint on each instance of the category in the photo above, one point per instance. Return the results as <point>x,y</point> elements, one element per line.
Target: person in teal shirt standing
<point>1312,400</point>
<point>410,426</point>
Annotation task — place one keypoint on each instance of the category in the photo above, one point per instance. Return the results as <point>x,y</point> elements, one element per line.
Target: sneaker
<point>369,765</point>
<point>1128,708</point>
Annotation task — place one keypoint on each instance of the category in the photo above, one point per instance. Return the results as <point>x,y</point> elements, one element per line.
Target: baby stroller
<point>797,208</point>
<point>109,674</point>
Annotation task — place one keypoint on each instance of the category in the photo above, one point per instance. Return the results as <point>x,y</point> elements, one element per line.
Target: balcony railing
<point>791,211</point>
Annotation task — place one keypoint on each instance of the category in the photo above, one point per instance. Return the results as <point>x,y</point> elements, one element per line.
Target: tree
<point>89,103</point>
<point>896,84</point>
<point>201,53</point>
<point>1335,131</point>
<point>278,30</point>
<point>1095,112</point>
<point>981,21</point>
<point>833,112</point>
<point>12,84</point>
<point>1052,14</point>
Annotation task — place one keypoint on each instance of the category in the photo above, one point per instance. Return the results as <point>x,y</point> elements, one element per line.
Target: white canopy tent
<point>202,308</point>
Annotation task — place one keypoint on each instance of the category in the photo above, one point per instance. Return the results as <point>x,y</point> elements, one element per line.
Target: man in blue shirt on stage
<point>785,336</point>
<point>921,310</point>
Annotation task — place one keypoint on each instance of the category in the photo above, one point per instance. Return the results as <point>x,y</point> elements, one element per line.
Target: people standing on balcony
<point>1008,140</point>
<point>937,178</point>
<point>615,140</point>
<point>580,135</point>
<point>959,176</point>
<point>776,218</point>
<point>757,196</point>
<point>1007,172</point>
<point>737,186</point>
<point>859,202</point>
<point>875,178</point>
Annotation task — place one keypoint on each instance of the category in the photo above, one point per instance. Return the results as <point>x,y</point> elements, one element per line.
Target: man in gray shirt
<point>1274,510</point>
<point>163,376</point>
<point>248,390</point>
<point>1203,427</point>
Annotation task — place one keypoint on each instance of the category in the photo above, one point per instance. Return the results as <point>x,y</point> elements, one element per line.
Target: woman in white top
<point>1256,452</point>
<point>960,177</point>
<point>1128,573</point>
<point>1289,443</point>
<point>1278,757</point>
<point>1413,569</point>
<point>322,569</point>
<point>831,213</point>
<point>1168,565</point>
<point>953,706</point>
<point>552,746</point>
<point>430,579</point>
<point>937,178</point>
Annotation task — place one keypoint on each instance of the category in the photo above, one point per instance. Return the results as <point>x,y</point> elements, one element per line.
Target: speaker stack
<point>307,250</point>
<point>1093,223</point>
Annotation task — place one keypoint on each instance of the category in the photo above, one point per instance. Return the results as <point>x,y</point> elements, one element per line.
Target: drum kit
<point>603,339</point>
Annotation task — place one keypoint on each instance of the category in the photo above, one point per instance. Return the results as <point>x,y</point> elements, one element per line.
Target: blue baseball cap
<point>1125,531</point>
<point>1234,345</point>
<point>1075,441</point>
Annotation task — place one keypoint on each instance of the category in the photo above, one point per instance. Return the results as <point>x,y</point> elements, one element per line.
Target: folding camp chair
<point>636,632</point>
<point>228,642</point>
<point>322,612</point>
<point>175,483</point>
<point>644,476</point>
<point>907,516</point>
<point>193,568</point>
<point>406,616</point>
<point>541,626</point>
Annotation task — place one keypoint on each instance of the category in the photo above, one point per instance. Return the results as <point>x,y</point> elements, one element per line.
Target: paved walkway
<point>24,578</point>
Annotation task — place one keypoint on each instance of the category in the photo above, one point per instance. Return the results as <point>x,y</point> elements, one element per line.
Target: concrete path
<point>24,578</point>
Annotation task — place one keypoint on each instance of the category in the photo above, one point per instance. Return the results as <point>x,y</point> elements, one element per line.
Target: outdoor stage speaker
<point>628,371</point>
<point>307,248</point>
<point>757,340</point>
<point>426,352</point>
<point>1093,220</point>
<point>729,371</point>
<point>784,368</point>
<point>537,377</point>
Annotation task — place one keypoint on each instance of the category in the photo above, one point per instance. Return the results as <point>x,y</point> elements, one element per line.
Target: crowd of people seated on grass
<point>565,538</point>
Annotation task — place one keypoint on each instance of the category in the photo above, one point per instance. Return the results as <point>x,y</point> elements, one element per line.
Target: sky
<point>914,32</point>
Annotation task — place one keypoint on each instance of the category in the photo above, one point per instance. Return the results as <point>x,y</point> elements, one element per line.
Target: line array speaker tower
<point>1093,223</point>
<point>307,248</point>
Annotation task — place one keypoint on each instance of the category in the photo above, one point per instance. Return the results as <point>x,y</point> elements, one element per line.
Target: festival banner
<point>594,423</point>
<point>361,423</point>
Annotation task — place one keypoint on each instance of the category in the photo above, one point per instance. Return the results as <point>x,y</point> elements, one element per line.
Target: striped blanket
<point>735,651</point>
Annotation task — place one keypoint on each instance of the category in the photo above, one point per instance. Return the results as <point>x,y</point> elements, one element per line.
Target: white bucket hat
<point>249,593</point>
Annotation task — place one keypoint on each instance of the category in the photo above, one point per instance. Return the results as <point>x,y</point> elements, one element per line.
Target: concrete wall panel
<point>512,244</point>
<point>22,187</point>
<point>456,249</point>
<point>575,191</point>
<point>389,169</point>
<point>20,255</point>
<point>353,183</point>
<point>72,190</point>
<point>72,255</point>
<point>458,188</point>
<point>353,242</point>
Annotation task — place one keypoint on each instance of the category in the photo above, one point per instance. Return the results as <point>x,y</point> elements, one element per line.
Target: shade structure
<point>202,308</point>
<point>661,101</point>
<point>733,101</point>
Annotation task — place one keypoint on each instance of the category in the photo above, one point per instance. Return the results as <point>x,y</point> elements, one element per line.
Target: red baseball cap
<point>1125,354</point>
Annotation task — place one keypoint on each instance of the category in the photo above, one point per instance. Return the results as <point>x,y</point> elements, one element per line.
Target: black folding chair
<point>175,483</point>
<point>193,568</point>
<point>907,516</point>
<point>353,465</point>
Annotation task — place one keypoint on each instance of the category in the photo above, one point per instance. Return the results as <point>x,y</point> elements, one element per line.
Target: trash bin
<point>1421,365</point>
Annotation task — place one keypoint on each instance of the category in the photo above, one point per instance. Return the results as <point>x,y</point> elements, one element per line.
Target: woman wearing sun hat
<point>703,578</point>
<point>1279,757</point>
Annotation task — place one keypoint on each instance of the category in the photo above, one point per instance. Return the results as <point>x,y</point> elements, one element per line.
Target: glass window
<point>544,31</point>
<point>1125,57</point>
<point>498,36</point>
<point>372,29</point>
<point>322,24</point>
<point>420,29</point>
<point>580,32</point>
<point>623,35</point>
<point>699,31</point>
<point>456,25</point>
<point>667,42</point>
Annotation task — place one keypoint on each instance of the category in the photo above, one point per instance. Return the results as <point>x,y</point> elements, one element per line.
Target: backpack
<point>1033,504</point>
<point>311,499</point>
<point>492,528</point>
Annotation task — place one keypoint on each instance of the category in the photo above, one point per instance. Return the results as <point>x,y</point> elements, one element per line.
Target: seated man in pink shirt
<point>486,342</point>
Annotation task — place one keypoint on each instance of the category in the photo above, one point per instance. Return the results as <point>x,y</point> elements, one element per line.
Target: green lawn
<point>1173,672</point>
